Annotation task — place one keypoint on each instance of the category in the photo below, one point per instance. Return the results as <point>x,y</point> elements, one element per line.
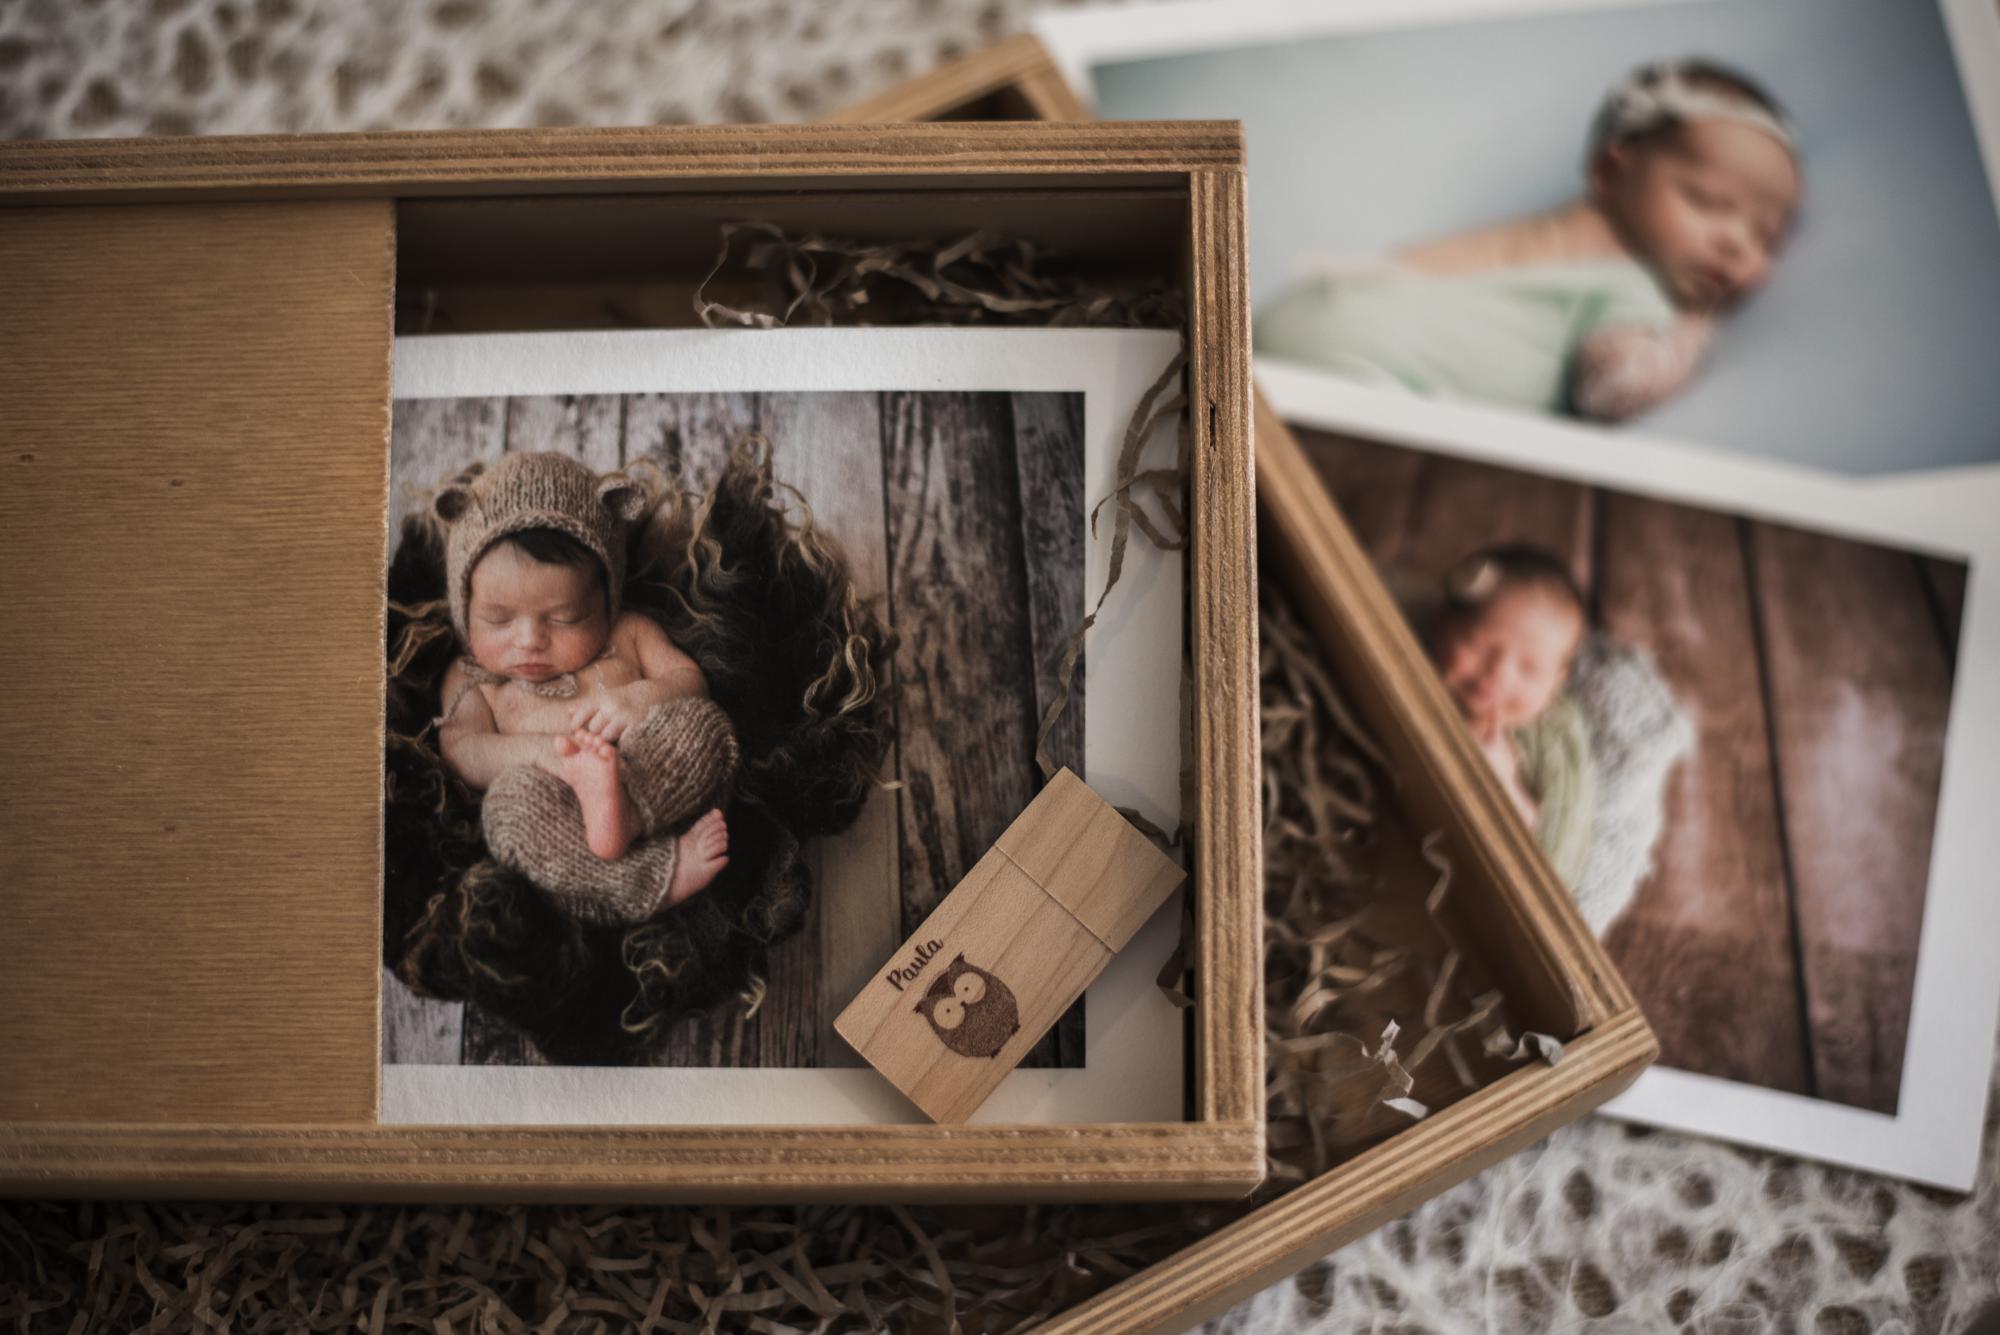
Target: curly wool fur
<point>791,653</point>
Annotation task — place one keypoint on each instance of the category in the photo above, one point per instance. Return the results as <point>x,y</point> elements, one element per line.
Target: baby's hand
<point>608,716</point>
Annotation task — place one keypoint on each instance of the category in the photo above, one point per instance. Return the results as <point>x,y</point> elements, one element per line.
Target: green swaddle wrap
<point>1506,335</point>
<point>1560,773</point>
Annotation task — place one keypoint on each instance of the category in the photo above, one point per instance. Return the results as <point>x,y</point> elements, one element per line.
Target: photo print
<point>1746,710</point>
<point>1763,226</point>
<point>644,846</point>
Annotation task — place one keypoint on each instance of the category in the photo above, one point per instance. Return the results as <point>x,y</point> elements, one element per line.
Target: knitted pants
<point>678,760</point>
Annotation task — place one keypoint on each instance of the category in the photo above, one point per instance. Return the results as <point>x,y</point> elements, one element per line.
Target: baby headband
<point>1663,94</point>
<point>1472,580</point>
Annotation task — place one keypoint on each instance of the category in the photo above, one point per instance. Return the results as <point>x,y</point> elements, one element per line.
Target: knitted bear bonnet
<point>524,491</point>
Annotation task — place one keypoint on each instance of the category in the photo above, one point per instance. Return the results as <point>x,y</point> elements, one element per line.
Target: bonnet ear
<point>453,502</point>
<point>624,499</point>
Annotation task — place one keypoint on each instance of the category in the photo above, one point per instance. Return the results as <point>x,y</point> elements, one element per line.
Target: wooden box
<point>1513,917</point>
<point>196,336</point>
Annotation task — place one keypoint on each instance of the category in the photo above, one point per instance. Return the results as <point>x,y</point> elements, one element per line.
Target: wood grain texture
<point>192,547</point>
<point>1375,487</point>
<point>1010,959</point>
<point>688,434</point>
<point>1460,507</point>
<point>1227,862</point>
<point>487,1040</point>
<point>419,1030</point>
<point>1858,710</point>
<point>589,427</point>
<point>642,158</point>
<point>431,441</point>
<point>833,454</point>
<point>965,718</point>
<point>706,1165</point>
<point>1090,859</point>
<point>1707,943</point>
<point>1048,455</point>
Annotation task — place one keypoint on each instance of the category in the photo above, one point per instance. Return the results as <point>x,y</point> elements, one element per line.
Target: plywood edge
<point>1377,1186</point>
<point>1307,525</point>
<point>1228,851</point>
<point>717,1165</point>
<point>445,162</point>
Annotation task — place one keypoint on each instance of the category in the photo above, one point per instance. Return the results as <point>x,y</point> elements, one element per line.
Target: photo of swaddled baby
<point>1726,733</point>
<point>1763,226</point>
<point>697,703</point>
<point>1600,307</point>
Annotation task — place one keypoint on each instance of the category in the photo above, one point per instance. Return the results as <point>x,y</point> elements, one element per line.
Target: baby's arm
<point>471,742</point>
<point>665,673</point>
<point>1623,370</point>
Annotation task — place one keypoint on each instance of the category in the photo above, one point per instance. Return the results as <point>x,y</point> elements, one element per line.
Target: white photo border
<point>1934,1137</point>
<point>1134,1036</point>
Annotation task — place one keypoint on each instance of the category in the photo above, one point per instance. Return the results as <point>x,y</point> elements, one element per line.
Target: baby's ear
<point>451,504</point>
<point>625,500</point>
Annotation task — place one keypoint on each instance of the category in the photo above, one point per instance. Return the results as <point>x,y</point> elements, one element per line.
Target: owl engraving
<point>972,1012</point>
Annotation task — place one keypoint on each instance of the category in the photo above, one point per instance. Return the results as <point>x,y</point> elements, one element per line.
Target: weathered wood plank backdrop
<point>962,514</point>
<point>1775,942</point>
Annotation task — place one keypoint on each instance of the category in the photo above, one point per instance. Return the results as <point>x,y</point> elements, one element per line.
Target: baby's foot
<point>594,772</point>
<point>704,852</point>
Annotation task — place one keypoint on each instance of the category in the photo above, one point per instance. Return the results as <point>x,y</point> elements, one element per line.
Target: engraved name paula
<point>907,973</point>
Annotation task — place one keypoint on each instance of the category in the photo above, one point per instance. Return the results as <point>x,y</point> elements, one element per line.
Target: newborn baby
<point>1601,307</point>
<point>1503,643</point>
<point>590,733</point>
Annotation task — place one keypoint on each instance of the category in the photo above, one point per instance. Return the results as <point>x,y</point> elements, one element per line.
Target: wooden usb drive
<point>1005,953</point>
